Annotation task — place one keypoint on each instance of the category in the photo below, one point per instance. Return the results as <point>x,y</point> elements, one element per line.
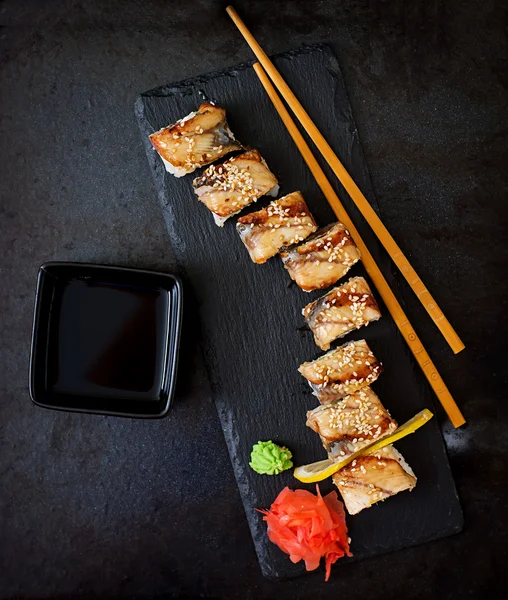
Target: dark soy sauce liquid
<point>108,340</point>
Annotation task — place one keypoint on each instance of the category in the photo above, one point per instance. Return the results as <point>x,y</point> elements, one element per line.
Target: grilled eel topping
<point>194,141</point>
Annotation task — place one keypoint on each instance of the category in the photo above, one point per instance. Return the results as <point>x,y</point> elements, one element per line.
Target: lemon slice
<point>326,468</point>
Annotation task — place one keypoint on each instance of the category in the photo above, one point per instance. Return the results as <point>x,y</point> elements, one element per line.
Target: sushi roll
<point>283,222</point>
<point>340,311</point>
<point>372,478</point>
<point>228,188</point>
<point>195,141</point>
<point>352,423</point>
<point>322,259</point>
<point>342,371</point>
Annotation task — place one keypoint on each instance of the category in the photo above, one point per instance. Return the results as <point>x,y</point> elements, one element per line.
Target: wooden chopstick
<point>353,190</point>
<point>395,309</point>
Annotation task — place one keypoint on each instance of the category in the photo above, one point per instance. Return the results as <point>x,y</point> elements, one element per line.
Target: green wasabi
<point>268,458</point>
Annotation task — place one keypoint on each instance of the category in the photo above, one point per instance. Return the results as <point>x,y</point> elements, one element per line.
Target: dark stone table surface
<point>101,507</point>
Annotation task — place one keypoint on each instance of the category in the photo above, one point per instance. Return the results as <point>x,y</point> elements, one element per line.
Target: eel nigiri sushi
<point>348,425</point>
<point>195,141</point>
<point>322,259</point>
<point>283,222</point>
<point>228,188</point>
<point>340,311</point>
<point>372,478</point>
<point>341,371</point>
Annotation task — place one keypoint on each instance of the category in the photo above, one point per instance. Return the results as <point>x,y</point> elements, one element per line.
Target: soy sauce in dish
<point>107,340</point>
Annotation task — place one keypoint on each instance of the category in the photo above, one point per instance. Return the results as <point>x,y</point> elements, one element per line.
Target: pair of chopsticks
<point>429,369</point>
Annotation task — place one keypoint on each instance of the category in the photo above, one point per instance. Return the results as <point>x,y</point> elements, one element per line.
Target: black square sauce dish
<point>105,339</point>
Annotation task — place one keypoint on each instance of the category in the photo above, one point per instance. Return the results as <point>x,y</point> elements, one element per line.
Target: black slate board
<point>252,326</point>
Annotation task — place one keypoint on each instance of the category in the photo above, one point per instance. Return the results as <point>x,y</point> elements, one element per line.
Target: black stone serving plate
<point>253,337</point>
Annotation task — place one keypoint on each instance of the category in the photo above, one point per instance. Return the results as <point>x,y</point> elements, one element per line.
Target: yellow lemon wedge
<point>326,468</point>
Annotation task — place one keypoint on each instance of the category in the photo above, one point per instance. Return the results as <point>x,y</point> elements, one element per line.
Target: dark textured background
<point>104,507</point>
